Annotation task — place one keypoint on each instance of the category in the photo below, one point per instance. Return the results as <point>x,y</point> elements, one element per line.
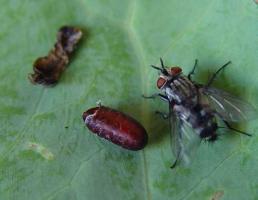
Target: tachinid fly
<point>195,109</point>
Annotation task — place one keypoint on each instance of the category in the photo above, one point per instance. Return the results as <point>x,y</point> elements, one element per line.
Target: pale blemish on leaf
<point>217,195</point>
<point>40,149</point>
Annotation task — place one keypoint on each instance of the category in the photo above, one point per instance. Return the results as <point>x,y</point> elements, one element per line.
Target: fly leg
<point>175,138</point>
<point>162,69</point>
<point>175,162</point>
<point>162,96</point>
<point>192,72</point>
<point>216,73</point>
<point>233,129</point>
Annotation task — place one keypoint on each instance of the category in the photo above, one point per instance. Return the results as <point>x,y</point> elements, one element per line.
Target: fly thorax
<point>172,95</point>
<point>185,90</point>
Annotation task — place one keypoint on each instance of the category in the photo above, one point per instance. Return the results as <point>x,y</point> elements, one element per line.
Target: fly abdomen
<point>209,132</point>
<point>204,122</point>
<point>200,118</point>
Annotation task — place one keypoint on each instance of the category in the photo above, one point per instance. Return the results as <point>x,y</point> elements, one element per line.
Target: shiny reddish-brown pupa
<point>116,127</point>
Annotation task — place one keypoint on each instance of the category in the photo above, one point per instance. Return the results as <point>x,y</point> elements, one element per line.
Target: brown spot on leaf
<point>217,195</point>
<point>48,69</point>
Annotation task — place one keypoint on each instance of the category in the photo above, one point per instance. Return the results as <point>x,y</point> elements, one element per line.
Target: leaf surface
<point>121,40</point>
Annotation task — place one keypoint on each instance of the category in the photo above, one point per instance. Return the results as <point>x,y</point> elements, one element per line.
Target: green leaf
<point>42,160</point>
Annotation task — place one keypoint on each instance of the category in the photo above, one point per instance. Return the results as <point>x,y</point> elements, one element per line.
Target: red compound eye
<point>161,82</point>
<point>175,71</point>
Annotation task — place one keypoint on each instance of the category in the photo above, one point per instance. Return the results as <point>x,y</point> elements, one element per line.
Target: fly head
<point>166,74</point>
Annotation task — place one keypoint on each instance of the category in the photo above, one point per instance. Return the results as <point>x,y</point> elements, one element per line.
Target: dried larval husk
<point>48,69</point>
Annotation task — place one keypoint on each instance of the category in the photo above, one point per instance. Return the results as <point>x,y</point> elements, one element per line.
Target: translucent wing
<point>183,139</point>
<point>228,107</point>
